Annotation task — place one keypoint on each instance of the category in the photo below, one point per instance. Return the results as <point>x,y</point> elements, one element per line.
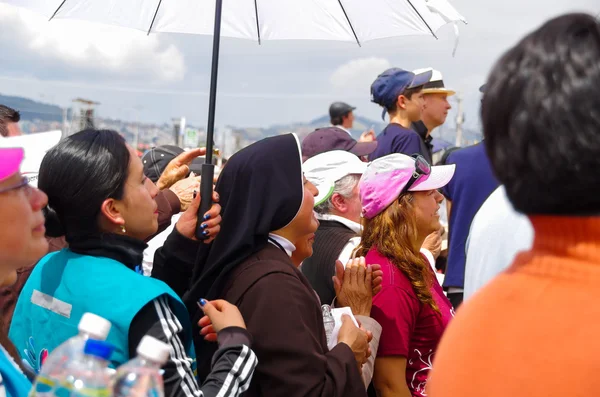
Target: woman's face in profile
<point>138,208</point>
<point>426,207</point>
<point>307,220</point>
<point>22,232</point>
<point>304,249</point>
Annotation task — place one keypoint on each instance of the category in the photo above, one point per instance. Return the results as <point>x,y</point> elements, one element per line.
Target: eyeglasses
<point>422,168</point>
<point>23,183</point>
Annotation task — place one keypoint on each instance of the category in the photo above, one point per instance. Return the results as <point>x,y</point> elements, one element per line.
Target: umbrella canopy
<point>340,20</point>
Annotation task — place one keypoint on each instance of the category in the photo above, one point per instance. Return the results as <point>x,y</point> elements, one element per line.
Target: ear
<point>110,209</point>
<point>402,102</point>
<point>339,202</point>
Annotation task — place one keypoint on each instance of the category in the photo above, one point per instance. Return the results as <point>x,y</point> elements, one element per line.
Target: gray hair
<point>343,187</point>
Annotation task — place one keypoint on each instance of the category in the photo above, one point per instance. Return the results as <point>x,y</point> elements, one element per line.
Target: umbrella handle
<point>206,191</point>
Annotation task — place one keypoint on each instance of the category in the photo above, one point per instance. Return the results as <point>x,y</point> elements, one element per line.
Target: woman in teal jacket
<point>22,242</point>
<point>100,199</point>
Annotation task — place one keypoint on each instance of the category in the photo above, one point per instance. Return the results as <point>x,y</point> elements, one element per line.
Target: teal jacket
<point>65,285</point>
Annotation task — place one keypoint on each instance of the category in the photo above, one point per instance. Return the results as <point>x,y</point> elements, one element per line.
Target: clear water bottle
<point>55,367</point>
<point>328,321</point>
<point>141,377</point>
<point>87,375</point>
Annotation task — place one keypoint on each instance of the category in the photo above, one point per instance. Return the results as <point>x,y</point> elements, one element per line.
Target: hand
<point>433,243</point>
<point>178,168</point>
<point>357,339</point>
<point>184,190</point>
<point>354,286</point>
<point>219,314</point>
<point>367,136</point>
<point>377,278</point>
<point>186,225</point>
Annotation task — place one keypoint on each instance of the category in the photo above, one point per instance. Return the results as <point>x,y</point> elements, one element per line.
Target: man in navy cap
<point>399,92</point>
<point>342,116</point>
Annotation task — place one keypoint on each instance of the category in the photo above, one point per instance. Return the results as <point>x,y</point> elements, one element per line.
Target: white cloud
<point>95,47</point>
<point>357,75</point>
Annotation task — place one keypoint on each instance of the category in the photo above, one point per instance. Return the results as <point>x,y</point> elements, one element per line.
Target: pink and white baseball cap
<point>387,176</point>
<point>10,161</point>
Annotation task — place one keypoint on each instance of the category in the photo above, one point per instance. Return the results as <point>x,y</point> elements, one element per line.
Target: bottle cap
<point>326,309</point>
<point>154,350</point>
<point>96,326</point>
<point>98,348</point>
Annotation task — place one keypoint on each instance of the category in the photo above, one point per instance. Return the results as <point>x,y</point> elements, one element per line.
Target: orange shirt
<point>534,330</point>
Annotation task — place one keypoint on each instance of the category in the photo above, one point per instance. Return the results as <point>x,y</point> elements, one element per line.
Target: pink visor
<point>386,177</point>
<point>10,161</point>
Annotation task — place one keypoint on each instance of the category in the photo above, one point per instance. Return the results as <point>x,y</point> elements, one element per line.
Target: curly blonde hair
<point>393,233</point>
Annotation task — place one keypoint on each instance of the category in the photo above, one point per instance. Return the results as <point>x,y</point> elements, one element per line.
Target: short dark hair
<point>407,93</point>
<point>339,120</point>
<point>7,115</point>
<point>336,120</point>
<point>541,118</point>
<point>78,174</point>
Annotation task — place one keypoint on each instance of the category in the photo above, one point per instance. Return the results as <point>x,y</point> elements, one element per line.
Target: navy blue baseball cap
<point>389,85</point>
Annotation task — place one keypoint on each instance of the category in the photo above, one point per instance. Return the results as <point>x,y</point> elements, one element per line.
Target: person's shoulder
<point>393,277</point>
<point>398,130</point>
<point>467,153</point>
<point>264,263</point>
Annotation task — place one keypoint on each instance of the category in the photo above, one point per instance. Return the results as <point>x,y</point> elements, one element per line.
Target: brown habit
<point>283,315</point>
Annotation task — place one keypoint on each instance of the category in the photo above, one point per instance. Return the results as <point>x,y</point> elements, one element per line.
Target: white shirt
<point>286,244</point>
<point>154,244</point>
<point>498,233</point>
<point>343,129</point>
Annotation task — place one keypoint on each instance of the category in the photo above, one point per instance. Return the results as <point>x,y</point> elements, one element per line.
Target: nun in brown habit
<point>266,204</point>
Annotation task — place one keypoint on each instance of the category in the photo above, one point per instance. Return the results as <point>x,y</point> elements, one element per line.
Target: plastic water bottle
<point>141,376</point>
<point>85,376</point>
<point>56,366</point>
<point>328,321</point>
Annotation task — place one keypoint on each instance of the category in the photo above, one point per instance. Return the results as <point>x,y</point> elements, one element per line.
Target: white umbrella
<point>341,20</point>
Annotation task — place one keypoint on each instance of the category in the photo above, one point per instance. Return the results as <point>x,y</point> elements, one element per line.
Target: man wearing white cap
<point>336,174</point>
<point>435,108</point>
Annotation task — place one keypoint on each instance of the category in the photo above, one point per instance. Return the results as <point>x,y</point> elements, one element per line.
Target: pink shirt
<point>409,328</point>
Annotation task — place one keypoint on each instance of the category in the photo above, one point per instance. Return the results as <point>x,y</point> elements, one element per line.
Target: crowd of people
<point>332,221</point>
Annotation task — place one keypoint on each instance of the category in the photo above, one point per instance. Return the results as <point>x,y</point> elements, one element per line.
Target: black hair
<point>337,120</point>
<point>78,174</point>
<point>407,93</point>
<point>7,115</point>
<point>541,118</point>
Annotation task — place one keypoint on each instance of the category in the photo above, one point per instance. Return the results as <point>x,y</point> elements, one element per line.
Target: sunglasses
<point>422,167</point>
<point>23,183</point>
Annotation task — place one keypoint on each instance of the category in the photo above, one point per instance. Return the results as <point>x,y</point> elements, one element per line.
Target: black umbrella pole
<point>208,169</point>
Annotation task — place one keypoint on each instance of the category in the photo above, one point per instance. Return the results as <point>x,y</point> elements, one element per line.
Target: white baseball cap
<point>325,169</point>
<point>435,84</point>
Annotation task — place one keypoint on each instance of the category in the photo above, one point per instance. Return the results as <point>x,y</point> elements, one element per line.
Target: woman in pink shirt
<point>400,209</point>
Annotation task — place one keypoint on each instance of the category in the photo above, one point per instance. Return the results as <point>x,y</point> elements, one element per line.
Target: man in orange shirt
<point>533,331</point>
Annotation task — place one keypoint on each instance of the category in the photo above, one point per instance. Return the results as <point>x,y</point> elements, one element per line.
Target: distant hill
<point>31,110</point>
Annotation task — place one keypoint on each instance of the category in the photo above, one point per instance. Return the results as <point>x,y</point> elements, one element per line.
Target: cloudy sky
<point>160,76</point>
